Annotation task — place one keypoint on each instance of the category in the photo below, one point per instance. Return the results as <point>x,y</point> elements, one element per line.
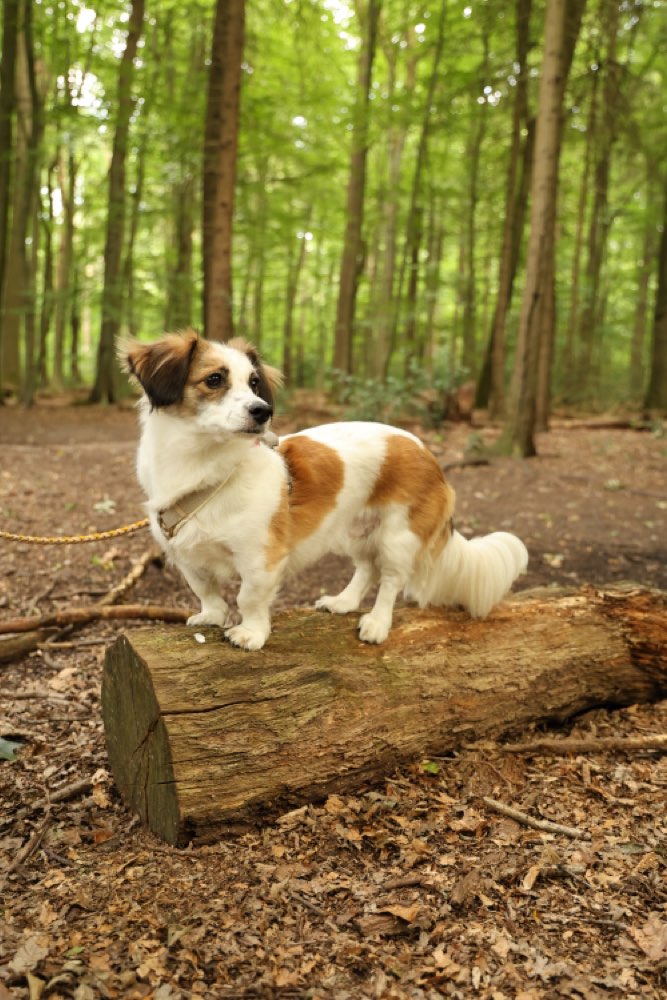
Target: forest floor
<point>409,890</point>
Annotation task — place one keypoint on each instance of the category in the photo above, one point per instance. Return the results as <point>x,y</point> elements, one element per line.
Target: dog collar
<point>171,519</point>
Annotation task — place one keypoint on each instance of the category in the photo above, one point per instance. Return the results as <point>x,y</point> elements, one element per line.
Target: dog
<point>223,500</point>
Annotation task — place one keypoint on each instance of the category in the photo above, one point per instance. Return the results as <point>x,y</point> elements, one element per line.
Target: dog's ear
<point>270,379</point>
<point>162,367</point>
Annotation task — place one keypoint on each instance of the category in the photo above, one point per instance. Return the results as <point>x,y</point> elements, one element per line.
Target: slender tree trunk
<point>67,184</point>
<point>656,393</point>
<point>560,22</point>
<point>644,271</point>
<point>10,27</point>
<point>294,268</point>
<point>415,212</point>
<point>495,354</point>
<point>20,293</point>
<point>491,386</point>
<point>383,300</point>
<point>220,149</point>
<point>179,304</point>
<point>104,389</point>
<point>588,331</point>
<point>469,331</point>
<point>575,281</point>
<point>48,303</point>
<point>351,264</point>
<point>75,326</point>
<point>436,236</point>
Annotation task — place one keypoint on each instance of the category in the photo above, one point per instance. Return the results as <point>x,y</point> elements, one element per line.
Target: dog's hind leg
<point>396,552</point>
<point>351,597</point>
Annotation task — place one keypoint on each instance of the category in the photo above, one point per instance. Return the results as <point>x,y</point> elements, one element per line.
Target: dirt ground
<point>413,889</point>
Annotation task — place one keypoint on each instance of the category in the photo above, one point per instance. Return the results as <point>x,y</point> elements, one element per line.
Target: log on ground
<point>204,738</point>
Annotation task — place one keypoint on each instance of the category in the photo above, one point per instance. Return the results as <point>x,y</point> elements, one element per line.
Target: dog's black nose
<point>260,411</point>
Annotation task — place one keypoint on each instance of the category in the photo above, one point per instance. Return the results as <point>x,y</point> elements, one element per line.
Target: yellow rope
<point>98,536</point>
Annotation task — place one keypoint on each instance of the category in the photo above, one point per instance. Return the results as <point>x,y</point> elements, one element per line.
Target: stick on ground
<point>545,825</point>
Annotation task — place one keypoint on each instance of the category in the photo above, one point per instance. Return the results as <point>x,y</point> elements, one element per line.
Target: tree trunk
<point>383,304</point>
<point>104,389</point>
<point>656,393</point>
<point>352,257</point>
<point>67,184</point>
<point>48,303</point>
<point>10,27</point>
<point>202,737</point>
<point>469,329</point>
<point>297,256</point>
<point>562,21</point>
<point>220,148</point>
<point>588,331</point>
<point>644,271</point>
<point>508,254</point>
<point>413,237</point>
<point>493,370</point>
<point>15,290</point>
<point>582,205</point>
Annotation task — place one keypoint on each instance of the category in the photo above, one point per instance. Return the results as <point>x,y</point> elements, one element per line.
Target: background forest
<point>422,193</point>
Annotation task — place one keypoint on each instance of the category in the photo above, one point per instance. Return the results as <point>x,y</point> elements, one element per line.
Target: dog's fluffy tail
<point>475,573</point>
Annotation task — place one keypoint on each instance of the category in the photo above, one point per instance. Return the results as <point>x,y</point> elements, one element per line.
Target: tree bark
<point>10,24</point>
<point>414,227</point>
<point>220,147</point>
<point>104,389</point>
<point>588,364</point>
<point>562,22</point>
<point>513,220</point>
<point>202,737</point>
<point>656,393</point>
<point>352,256</point>
<point>17,293</point>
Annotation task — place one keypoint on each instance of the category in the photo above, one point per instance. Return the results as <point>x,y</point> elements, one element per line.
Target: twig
<point>61,794</point>
<point>537,824</point>
<point>590,744</point>
<point>135,574</point>
<point>33,843</point>
<point>21,645</point>
<point>93,613</point>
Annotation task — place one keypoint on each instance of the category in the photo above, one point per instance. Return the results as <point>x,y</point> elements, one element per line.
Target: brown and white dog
<point>222,501</point>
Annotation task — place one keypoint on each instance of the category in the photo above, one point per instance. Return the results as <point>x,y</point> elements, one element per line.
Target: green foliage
<point>416,394</point>
<point>8,749</point>
<point>296,119</point>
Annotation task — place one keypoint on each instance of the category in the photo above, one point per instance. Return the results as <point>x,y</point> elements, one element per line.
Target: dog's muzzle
<point>260,412</point>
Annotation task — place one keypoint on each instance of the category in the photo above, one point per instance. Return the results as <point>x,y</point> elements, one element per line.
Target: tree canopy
<point>443,116</point>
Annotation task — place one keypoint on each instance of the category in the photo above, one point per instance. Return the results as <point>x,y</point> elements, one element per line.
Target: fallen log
<point>203,738</point>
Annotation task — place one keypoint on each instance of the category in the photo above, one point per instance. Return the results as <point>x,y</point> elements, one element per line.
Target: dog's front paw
<point>372,629</point>
<point>337,605</point>
<point>210,617</point>
<point>246,638</point>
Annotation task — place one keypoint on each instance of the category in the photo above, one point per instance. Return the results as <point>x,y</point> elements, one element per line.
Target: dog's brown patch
<point>208,360</point>
<point>317,474</point>
<point>270,379</point>
<point>163,367</point>
<point>410,475</point>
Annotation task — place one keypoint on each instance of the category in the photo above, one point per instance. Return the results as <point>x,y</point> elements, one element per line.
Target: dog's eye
<point>214,380</point>
<point>254,382</point>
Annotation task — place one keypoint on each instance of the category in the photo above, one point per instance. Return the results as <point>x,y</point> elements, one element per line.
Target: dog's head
<point>222,387</point>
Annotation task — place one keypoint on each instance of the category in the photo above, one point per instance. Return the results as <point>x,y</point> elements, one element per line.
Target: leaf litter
<point>411,889</point>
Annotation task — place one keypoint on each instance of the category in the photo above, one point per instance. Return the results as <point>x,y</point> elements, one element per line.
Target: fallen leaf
<point>29,955</point>
<point>407,913</point>
<point>651,938</point>
<point>530,878</point>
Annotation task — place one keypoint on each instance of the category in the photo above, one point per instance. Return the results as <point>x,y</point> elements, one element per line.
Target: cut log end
<point>204,738</point>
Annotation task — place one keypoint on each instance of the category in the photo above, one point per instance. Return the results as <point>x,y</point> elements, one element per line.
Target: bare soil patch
<point>410,890</point>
